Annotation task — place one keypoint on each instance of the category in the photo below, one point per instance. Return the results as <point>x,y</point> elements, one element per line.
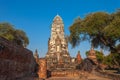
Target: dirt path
<point>92,77</point>
<point>82,77</point>
<point>67,78</point>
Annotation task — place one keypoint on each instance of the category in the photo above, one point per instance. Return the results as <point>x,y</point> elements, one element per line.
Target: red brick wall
<point>15,61</point>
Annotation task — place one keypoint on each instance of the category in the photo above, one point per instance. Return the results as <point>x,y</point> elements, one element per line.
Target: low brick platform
<point>62,78</point>
<point>67,78</point>
<point>74,73</point>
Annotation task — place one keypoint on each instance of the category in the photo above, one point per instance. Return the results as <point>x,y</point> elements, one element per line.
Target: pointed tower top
<point>78,54</point>
<point>92,51</point>
<point>92,47</point>
<point>57,14</point>
<point>57,18</point>
<point>36,55</point>
<point>78,57</point>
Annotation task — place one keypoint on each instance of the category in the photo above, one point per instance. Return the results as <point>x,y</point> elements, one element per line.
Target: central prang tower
<point>57,44</point>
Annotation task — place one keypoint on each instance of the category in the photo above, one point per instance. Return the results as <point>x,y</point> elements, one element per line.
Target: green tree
<point>112,60</point>
<point>108,60</point>
<point>100,28</point>
<point>100,56</point>
<point>17,36</point>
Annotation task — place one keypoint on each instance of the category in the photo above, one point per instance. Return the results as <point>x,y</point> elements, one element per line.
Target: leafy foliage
<point>112,60</point>
<point>101,29</point>
<point>17,36</point>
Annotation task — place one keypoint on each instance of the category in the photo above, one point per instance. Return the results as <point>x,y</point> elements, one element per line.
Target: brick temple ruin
<point>58,55</point>
<point>18,63</point>
<point>58,62</point>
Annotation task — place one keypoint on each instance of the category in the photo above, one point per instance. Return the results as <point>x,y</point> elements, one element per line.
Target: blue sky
<point>35,18</point>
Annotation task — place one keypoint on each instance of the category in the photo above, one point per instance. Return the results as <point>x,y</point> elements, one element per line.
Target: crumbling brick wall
<point>15,61</point>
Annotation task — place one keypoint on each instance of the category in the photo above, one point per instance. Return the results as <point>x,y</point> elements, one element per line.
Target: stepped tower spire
<point>57,36</point>
<point>57,44</point>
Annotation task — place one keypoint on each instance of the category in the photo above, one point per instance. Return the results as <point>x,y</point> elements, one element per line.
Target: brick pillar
<point>78,58</point>
<point>42,73</point>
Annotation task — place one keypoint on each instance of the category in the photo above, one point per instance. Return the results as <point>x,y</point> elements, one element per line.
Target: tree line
<point>17,36</point>
<point>101,29</point>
